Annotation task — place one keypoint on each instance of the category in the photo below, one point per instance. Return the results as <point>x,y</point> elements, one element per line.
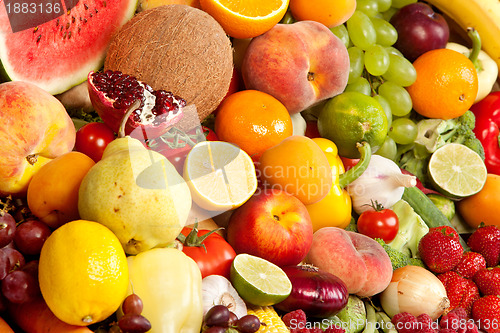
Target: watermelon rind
<point>52,62</point>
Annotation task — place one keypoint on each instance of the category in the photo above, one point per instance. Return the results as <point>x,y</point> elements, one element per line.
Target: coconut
<point>176,48</point>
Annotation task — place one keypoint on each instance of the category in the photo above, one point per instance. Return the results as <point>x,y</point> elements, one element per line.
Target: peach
<point>356,259</point>
<point>35,129</point>
<point>300,64</point>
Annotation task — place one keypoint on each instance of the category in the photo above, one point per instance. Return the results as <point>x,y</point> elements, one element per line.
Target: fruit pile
<point>213,167</point>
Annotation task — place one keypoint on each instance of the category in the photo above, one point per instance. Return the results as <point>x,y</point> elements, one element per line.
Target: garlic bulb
<point>382,181</point>
<point>298,124</point>
<point>217,290</point>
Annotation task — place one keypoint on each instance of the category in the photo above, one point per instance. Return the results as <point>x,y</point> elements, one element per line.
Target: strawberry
<point>461,292</point>
<point>486,313</point>
<point>486,240</point>
<point>440,249</point>
<point>488,280</point>
<point>469,264</point>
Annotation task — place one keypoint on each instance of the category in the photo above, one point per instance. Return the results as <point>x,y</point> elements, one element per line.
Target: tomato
<point>176,156</point>
<point>213,254</point>
<point>379,223</point>
<point>92,139</point>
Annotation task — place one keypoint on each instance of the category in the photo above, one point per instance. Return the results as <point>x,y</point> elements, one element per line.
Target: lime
<point>353,117</point>
<point>457,171</point>
<point>259,281</point>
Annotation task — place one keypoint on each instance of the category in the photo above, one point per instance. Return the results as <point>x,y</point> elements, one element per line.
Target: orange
<point>329,12</point>
<point>446,84</point>
<point>482,206</point>
<point>248,18</point>
<point>297,165</point>
<point>253,120</point>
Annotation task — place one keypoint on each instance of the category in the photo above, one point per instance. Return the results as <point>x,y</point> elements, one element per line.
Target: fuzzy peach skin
<point>300,64</point>
<point>356,259</point>
<point>35,129</point>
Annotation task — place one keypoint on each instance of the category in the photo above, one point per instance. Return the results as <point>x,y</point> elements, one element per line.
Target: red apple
<point>273,225</point>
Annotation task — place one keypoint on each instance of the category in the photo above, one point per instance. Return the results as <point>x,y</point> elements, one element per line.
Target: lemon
<point>457,171</point>
<point>83,272</point>
<point>353,117</point>
<point>259,281</point>
<point>220,175</point>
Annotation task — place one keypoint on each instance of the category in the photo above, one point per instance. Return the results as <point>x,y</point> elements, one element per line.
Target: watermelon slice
<point>60,52</point>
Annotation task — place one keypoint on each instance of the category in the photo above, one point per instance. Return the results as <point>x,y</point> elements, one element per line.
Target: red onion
<point>318,293</point>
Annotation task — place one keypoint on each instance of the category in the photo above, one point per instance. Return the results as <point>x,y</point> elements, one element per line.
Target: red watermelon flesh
<point>60,53</point>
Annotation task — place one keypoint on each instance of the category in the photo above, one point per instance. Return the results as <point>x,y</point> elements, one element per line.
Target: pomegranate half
<point>113,93</point>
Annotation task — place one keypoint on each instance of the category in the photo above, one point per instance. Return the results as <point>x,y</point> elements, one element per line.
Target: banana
<point>482,15</point>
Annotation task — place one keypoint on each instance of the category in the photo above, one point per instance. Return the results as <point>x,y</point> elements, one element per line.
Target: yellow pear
<point>138,194</point>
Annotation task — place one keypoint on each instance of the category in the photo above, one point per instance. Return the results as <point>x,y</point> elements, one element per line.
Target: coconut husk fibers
<point>176,48</point>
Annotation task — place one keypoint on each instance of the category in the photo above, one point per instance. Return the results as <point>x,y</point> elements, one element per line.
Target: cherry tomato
<point>215,257</point>
<point>379,223</point>
<point>92,139</point>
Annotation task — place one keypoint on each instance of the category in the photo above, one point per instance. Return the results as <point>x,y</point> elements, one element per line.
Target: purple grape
<point>3,303</point>
<point>215,329</point>
<point>132,304</point>
<point>31,267</point>
<point>10,260</point>
<point>134,323</point>
<point>248,324</point>
<point>233,318</point>
<point>7,228</point>
<point>30,236</point>
<point>20,287</point>
<point>218,315</point>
